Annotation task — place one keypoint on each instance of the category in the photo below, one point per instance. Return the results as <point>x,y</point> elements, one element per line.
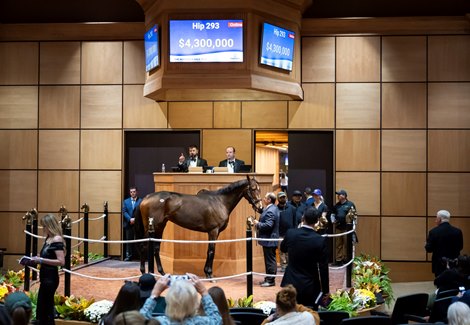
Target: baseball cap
<point>342,192</point>
<point>296,192</point>
<point>317,191</point>
<point>146,284</point>
<point>280,194</point>
<point>17,299</point>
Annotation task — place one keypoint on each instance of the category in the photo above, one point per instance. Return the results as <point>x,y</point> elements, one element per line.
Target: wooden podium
<point>230,258</point>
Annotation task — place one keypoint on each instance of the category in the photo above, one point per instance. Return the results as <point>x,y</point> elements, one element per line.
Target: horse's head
<point>253,194</point>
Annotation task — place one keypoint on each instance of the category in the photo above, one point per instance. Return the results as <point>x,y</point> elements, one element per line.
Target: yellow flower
<point>3,291</point>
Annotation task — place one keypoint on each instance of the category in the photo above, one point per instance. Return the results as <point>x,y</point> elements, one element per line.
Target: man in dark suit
<point>128,207</point>
<point>231,162</point>
<point>444,240</point>
<point>268,227</point>
<point>308,254</point>
<point>192,161</point>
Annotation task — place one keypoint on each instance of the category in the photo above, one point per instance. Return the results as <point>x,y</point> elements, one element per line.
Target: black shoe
<point>267,284</point>
<point>128,259</point>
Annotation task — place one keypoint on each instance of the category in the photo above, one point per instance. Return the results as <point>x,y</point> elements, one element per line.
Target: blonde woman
<point>52,255</point>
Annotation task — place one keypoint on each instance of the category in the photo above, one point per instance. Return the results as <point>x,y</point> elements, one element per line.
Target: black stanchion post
<point>27,252</point>
<point>105,248</point>
<point>35,240</point>
<point>67,230</point>
<point>85,209</point>
<point>249,257</point>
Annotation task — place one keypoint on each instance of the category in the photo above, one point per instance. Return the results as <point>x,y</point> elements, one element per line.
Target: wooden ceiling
<point>73,11</point>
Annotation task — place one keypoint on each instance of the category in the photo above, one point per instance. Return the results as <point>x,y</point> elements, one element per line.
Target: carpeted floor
<point>83,285</point>
<point>114,269</point>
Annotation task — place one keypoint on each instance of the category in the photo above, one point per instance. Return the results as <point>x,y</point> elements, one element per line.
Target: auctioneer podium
<point>230,258</point>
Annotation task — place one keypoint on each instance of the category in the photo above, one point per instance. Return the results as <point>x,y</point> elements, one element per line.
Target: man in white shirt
<point>233,165</point>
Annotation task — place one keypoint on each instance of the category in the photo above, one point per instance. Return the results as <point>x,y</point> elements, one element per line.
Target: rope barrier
<point>181,241</point>
<point>97,218</point>
<point>77,221</point>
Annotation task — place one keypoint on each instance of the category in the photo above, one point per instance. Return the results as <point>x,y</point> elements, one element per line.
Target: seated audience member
<point>458,314</point>
<point>463,297</point>
<point>19,306</point>
<point>182,302</point>
<point>146,283</point>
<point>133,317</point>
<point>455,275</point>
<point>4,316</point>
<point>128,299</point>
<point>288,312</point>
<point>218,296</point>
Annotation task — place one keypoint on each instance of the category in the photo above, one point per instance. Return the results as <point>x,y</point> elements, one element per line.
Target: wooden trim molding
<point>386,26</point>
<point>72,32</point>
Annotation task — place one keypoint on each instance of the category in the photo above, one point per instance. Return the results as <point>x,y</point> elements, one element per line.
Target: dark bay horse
<point>208,211</point>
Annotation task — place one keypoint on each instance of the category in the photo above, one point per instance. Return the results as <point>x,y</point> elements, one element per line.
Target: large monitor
<point>277,47</point>
<point>206,40</point>
<point>151,49</point>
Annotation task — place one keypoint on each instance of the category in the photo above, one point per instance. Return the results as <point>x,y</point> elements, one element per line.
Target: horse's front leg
<point>142,251</point>
<point>210,253</point>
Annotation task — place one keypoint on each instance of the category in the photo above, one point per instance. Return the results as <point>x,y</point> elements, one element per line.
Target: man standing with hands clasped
<point>128,207</point>
<point>444,241</point>
<point>268,227</point>
<point>338,216</point>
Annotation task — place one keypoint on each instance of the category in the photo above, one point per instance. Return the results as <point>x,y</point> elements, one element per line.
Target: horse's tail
<point>138,223</point>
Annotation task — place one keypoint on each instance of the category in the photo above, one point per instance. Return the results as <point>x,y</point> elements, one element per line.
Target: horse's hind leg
<point>159,235</point>
<point>142,250</point>
<point>210,253</point>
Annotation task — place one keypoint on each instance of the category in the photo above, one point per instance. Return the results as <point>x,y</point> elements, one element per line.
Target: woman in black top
<point>320,205</point>
<point>52,255</point>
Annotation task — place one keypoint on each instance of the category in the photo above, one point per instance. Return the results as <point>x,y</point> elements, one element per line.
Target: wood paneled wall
<point>398,106</point>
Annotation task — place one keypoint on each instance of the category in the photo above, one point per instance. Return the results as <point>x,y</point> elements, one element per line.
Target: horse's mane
<point>229,188</point>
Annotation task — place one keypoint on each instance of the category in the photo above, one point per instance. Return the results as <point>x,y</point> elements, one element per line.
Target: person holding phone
<point>182,301</point>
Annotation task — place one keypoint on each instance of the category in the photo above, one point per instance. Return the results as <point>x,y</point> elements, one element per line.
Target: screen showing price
<point>206,40</point>
<point>151,48</point>
<point>277,47</point>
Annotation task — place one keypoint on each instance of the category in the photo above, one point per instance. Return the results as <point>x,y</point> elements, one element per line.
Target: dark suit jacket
<point>236,166</point>
<point>444,240</point>
<point>127,210</point>
<point>268,226</point>
<point>185,165</point>
<point>307,253</point>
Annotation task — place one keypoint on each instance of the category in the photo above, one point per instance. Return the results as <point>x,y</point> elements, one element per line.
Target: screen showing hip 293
<point>206,40</point>
<point>277,47</point>
<point>151,48</point>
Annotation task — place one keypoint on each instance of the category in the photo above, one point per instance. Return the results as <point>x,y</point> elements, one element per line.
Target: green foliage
<point>370,273</point>
<point>342,301</point>
<point>33,295</point>
<point>72,307</point>
<point>240,302</point>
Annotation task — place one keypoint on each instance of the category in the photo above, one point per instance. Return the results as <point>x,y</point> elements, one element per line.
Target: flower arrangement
<point>370,280</point>
<point>371,274</point>
<point>266,306</point>
<point>10,282</point>
<point>97,310</point>
<point>71,307</point>
<point>77,257</point>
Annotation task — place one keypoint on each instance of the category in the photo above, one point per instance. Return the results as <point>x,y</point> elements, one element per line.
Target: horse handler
<point>268,227</point>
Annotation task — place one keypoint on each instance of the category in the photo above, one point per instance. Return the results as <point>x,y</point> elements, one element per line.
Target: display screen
<point>277,47</point>
<point>206,40</point>
<point>151,48</point>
